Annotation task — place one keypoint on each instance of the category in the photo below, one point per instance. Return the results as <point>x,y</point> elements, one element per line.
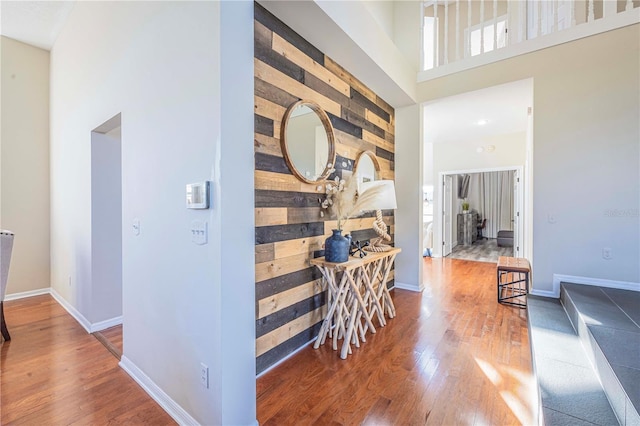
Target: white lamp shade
<point>385,199</point>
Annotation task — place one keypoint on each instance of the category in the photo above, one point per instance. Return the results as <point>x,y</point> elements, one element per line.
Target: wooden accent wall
<point>290,301</point>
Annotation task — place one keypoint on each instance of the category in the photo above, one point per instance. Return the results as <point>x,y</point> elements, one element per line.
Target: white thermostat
<point>198,195</point>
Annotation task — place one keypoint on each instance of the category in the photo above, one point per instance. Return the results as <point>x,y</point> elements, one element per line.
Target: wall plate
<point>198,195</point>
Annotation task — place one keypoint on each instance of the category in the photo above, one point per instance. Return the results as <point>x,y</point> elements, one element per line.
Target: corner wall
<point>24,162</point>
<point>289,229</point>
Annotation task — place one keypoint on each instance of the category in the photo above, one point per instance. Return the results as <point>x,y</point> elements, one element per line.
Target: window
<point>489,30</point>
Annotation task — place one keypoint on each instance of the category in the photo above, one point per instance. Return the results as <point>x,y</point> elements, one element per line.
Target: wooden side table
<point>514,281</point>
<point>360,293</point>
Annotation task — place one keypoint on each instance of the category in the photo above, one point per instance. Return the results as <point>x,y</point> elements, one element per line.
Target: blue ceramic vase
<point>336,247</point>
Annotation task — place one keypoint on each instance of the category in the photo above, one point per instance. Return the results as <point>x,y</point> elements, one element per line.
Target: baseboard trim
<point>543,293</point>
<point>24,294</point>
<point>599,282</point>
<point>403,286</point>
<point>271,367</point>
<point>169,405</point>
<point>108,323</point>
<point>72,310</point>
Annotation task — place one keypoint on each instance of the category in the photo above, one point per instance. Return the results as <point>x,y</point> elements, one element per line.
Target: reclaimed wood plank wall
<point>290,301</point>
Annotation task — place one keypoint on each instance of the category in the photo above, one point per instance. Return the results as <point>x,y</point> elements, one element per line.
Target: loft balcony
<point>461,34</point>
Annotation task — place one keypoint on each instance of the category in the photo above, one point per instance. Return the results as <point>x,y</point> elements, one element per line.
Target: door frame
<point>524,236</point>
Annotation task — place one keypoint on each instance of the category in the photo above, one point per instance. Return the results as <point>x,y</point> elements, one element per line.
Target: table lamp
<point>384,199</point>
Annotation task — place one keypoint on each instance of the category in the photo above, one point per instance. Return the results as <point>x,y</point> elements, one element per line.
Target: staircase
<point>586,353</point>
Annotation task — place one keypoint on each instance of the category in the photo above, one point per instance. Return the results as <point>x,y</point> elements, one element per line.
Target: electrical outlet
<point>607,253</point>
<point>204,375</point>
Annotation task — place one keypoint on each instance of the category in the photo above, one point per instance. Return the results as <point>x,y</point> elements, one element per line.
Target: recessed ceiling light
<point>482,122</point>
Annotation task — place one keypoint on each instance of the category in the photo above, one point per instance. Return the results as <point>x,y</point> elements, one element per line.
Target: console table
<point>356,294</point>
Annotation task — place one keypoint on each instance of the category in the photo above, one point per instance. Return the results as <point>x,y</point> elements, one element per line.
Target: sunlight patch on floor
<point>516,388</point>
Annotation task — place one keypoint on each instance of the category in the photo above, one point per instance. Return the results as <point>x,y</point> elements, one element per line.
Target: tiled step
<point>570,391</point>
<point>607,322</point>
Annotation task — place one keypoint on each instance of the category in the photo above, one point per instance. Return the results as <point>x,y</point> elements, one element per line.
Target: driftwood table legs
<point>356,293</point>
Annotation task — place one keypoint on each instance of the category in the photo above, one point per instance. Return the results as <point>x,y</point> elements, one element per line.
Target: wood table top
<point>513,264</point>
<point>354,261</point>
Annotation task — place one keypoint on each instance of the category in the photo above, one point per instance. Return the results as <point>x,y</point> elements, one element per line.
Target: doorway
<point>487,130</point>
<point>482,214</point>
<point>106,225</point>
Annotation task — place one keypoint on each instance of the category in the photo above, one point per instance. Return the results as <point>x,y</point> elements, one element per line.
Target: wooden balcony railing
<point>462,34</point>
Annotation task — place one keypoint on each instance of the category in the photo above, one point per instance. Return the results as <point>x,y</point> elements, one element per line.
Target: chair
<point>6,245</point>
<point>480,228</point>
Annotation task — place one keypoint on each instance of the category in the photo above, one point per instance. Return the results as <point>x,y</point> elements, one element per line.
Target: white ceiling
<point>37,23</point>
<point>454,119</point>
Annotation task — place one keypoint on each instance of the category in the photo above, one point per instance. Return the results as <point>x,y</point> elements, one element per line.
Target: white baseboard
<point>600,282</point>
<point>169,405</point>
<point>103,325</point>
<point>543,293</point>
<point>72,310</point>
<point>409,287</point>
<point>88,326</point>
<point>30,293</point>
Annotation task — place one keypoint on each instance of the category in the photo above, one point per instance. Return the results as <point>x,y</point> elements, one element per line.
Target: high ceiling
<point>456,118</point>
<point>37,23</point>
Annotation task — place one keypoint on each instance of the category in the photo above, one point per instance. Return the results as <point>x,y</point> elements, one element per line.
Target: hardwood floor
<point>111,338</point>
<point>54,373</point>
<point>453,355</point>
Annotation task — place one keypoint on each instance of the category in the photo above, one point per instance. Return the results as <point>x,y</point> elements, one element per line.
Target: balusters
<point>468,47</point>
<point>495,24</point>
<point>609,8</point>
<point>554,16</point>
<point>629,6</point>
<point>573,13</point>
<point>481,27</point>
<point>435,35</point>
<point>457,30</point>
<point>539,22</point>
<point>591,15</point>
<point>446,32</point>
<point>507,25</point>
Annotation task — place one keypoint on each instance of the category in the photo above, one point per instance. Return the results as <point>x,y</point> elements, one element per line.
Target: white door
<point>517,218</point>
<point>447,213</point>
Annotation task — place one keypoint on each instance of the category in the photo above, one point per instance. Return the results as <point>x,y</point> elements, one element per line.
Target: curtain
<point>496,189</point>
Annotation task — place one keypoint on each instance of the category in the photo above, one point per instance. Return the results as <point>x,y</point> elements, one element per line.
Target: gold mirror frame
<point>324,118</point>
<point>374,160</point>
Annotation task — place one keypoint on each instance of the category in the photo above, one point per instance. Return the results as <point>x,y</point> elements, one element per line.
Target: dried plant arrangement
<point>343,201</point>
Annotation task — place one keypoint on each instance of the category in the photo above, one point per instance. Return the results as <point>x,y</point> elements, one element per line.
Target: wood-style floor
<point>452,356</point>
<point>54,373</point>
<point>111,338</point>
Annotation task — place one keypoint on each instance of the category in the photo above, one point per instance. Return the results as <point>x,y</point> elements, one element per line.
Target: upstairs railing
<point>462,34</point>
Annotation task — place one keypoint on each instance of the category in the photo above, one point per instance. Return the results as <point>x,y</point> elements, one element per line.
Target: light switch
<point>199,232</point>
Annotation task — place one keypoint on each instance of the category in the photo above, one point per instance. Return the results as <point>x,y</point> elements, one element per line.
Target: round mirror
<point>366,167</point>
<point>307,141</point>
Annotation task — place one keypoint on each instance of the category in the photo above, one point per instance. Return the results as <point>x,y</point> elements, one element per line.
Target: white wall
<point>181,75</point>
<point>24,162</point>
<point>383,12</point>
<point>586,151</point>
<point>408,181</point>
<point>407,30</point>
<point>106,228</point>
